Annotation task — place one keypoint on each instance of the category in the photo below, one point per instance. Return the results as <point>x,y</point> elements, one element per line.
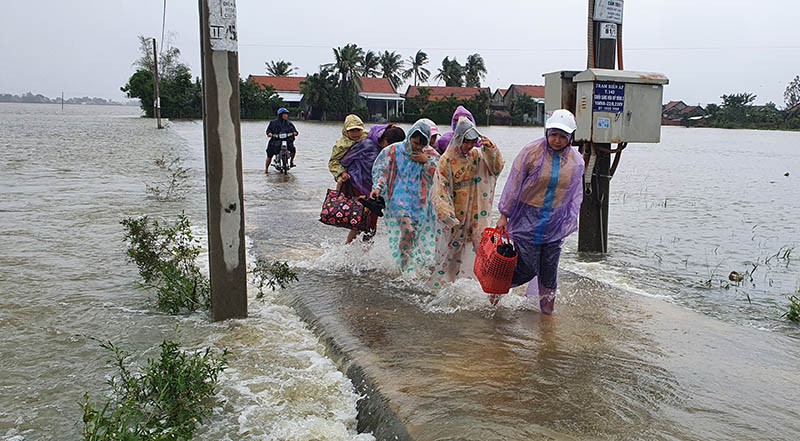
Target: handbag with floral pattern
<point>341,210</point>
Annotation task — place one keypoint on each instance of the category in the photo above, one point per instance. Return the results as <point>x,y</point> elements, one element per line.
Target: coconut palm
<point>475,70</point>
<point>280,68</point>
<point>391,67</point>
<point>318,90</point>
<point>417,63</point>
<point>347,65</point>
<point>370,65</point>
<point>451,72</point>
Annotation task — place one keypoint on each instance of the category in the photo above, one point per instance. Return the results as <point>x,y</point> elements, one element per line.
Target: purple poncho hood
<point>444,140</point>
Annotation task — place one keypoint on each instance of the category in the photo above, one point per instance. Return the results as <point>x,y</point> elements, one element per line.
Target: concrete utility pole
<point>157,100</point>
<point>223,145</point>
<point>593,224</point>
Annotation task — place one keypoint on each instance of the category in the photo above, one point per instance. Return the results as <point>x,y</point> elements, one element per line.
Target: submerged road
<point>608,365</point>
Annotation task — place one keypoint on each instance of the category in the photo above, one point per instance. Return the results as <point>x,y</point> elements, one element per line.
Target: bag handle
<point>503,233</point>
<point>345,187</point>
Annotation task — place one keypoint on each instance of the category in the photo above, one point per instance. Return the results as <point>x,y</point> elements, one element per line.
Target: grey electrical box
<point>614,106</point>
<point>559,91</point>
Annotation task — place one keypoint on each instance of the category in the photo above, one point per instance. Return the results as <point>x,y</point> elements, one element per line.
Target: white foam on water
<point>357,257</point>
<point>609,275</point>
<point>279,385</point>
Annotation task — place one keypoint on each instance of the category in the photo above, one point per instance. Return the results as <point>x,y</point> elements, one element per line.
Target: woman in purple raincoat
<point>540,206</point>
<point>358,161</point>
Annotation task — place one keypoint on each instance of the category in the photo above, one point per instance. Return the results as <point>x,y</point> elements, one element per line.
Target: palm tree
<point>475,70</point>
<point>417,62</point>
<point>451,72</point>
<point>391,66</point>
<point>317,91</point>
<point>280,68</point>
<point>370,64</point>
<point>347,63</point>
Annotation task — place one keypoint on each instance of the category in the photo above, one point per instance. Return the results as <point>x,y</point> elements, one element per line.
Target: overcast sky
<point>706,48</point>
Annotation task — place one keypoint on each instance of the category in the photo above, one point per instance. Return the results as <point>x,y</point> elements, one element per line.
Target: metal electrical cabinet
<point>614,106</point>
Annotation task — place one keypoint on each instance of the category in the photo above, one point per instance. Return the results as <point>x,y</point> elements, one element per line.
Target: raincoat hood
<point>459,112</point>
<point>422,127</point>
<point>433,126</point>
<point>464,129</point>
<point>353,122</point>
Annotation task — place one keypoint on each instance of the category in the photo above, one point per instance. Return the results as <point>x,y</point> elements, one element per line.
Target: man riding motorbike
<point>280,129</point>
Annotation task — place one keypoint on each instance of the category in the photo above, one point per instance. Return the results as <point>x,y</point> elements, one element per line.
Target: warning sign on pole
<point>609,11</point>
<point>222,24</point>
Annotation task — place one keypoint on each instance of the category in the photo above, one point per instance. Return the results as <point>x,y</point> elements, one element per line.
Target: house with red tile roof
<point>288,88</point>
<point>376,94</point>
<point>672,107</point>
<point>533,91</point>
<point>380,98</point>
<point>442,92</point>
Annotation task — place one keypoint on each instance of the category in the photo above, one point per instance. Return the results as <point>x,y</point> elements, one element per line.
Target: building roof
<point>691,109</point>
<point>376,85</point>
<point>441,92</point>
<point>531,91</point>
<point>670,105</point>
<point>280,84</point>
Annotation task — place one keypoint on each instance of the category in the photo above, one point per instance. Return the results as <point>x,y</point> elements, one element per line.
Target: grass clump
<point>168,400</point>
<point>793,313</point>
<point>273,274</point>
<point>165,255</point>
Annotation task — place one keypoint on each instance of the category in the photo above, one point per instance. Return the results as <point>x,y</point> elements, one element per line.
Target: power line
<point>655,48</point>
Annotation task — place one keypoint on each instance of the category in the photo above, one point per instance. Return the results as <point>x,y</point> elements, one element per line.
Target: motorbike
<point>282,161</point>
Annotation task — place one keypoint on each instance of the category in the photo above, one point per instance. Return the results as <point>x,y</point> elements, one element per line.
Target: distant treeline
<point>737,111</point>
<point>28,97</point>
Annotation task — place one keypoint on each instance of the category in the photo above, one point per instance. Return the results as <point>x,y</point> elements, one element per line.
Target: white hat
<point>562,119</point>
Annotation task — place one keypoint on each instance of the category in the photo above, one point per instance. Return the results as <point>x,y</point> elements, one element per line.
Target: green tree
<point>734,110</point>
<point>140,85</point>
<point>320,92</point>
<point>792,94</point>
<point>475,70</point>
<point>417,67</point>
<point>257,102</point>
<point>451,72</point>
<point>391,67</point>
<point>169,64</point>
<point>280,68</point>
<point>370,65</point>
<point>180,98</point>
<point>521,106</point>
<point>347,65</point>
<point>179,95</point>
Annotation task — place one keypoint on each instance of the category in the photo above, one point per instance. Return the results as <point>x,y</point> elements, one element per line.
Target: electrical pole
<point>593,224</point>
<point>157,100</point>
<point>223,147</point>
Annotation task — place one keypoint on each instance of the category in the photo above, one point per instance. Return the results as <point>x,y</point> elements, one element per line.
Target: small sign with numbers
<point>608,97</point>
<point>222,24</point>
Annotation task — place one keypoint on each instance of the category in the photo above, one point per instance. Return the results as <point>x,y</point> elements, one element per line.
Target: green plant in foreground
<point>793,313</point>
<point>168,400</point>
<point>273,274</point>
<point>165,255</point>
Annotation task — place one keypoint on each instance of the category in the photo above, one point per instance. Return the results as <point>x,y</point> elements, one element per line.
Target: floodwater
<point>650,341</point>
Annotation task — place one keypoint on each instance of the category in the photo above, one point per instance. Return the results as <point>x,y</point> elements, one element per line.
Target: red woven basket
<point>493,270</point>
